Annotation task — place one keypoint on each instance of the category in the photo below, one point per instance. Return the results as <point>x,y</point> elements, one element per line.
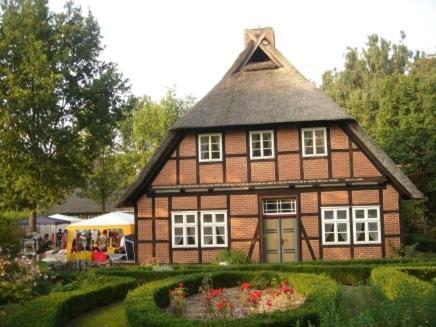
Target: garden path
<point>112,315</point>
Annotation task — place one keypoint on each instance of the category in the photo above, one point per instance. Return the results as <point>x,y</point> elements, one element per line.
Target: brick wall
<point>262,171</point>
<point>315,168</point>
<point>289,167</point>
<point>362,166</point>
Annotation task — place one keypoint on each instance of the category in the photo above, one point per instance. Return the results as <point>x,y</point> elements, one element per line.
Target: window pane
<point>204,147</point>
<point>329,227</point>
<point>342,227</point>
<point>267,152</point>
<point>307,135</point>
<point>178,240</point>
<point>373,227</point>
<point>190,219</point>
<point>329,237</point>
<point>208,240</point>
<point>215,139</point>
<point>220,230</point>
<point>204,140</point>
<point>308,142</point>
<point>178,231</point>
<point>178,219</point>
<point>373,236</point>
<point>205,156</point>
<point>256,153</point>
<point>255,137</point>
<point>215,155</point>
<point>267,144</point>
<point>360,227</point>
<point>328,214</point>
<point>319,133</point>
<point>372,213</point>
<point>207,218</point>
<point>190,231</point>
<point>342,214</point>
<point>359,214</point>
<point>360,236</point>
<point>267,137</point>
<point>219,218</point>
<point>207,230</point>
<point>320,150</point>
<point>342,237</point>
<point>191,240</point>
<point>220,240</point>
<point>308,150</point>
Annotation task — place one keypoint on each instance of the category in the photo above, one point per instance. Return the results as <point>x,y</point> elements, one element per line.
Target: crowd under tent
<point>47,225</point>
<point>115,223</point>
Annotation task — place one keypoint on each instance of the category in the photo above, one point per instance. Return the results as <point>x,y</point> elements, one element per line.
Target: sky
<point>190,44</point>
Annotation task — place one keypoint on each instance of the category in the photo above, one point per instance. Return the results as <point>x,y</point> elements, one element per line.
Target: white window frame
<point>366,221</point>
<point>262,156</point>
<point>312,130</point>
<point>214,224</point>
<point>279,206</point>
<point>335,222</point>
<point>184,225</point>
<point>210,147</point>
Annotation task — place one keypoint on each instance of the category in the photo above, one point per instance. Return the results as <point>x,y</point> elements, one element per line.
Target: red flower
<point>284,289</point>
<point>215,292</point>
<point>244,286</point>
<point>254,296</point>
<point>269,303</point>
<point>221,305</point>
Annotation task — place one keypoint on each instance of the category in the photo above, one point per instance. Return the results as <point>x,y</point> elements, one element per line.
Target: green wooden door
<point>280,240</point>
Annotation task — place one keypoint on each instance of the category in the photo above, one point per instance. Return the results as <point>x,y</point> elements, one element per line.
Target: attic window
<point>258,56</point>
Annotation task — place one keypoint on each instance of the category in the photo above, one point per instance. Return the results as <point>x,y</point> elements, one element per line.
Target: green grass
<point>112,315</point>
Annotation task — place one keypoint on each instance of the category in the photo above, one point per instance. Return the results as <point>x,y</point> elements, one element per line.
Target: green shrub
<point>144,304</point>
<point>233,257</point>
<point>57,308</point>
<point>423,273</point>
<point>394,283</point>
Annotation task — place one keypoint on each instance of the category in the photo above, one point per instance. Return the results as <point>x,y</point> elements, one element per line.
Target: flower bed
<point>148,305</point>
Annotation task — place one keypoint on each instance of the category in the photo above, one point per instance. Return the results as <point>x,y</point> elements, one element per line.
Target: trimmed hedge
<point>144,304</point>
<point>394,283</point>
<point>424,273</point>
<point>56,308</point>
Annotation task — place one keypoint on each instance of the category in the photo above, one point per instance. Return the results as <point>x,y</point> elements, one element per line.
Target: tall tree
<point>392,94</point>
<point>58,102</point>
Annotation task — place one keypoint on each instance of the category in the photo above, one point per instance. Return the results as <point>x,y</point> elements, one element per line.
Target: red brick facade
<point>330,181</point>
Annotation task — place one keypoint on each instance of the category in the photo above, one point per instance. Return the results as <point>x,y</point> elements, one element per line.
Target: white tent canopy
<point>116,218</point>
<point>66,218</point>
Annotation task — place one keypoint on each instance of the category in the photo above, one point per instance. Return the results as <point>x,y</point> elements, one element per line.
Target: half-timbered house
<point>267,164</point>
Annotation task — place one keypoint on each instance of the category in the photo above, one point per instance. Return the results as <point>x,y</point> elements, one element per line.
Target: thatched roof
<point>261,87</point>
<point>262,96</point>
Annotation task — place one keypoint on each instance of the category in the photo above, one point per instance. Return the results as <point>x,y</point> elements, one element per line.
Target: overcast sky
<point>191,43</point>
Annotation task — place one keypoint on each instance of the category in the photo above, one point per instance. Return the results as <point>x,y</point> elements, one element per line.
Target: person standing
<point>59,239</point>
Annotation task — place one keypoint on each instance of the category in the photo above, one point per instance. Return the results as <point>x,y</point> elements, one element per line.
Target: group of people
<point>94,240</point>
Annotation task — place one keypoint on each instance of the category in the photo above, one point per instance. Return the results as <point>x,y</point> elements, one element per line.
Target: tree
<point>392,93</point>
<point>58,102</point>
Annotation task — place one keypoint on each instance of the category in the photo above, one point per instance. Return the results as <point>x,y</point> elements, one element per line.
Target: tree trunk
<point>103,205</point>
<point>32,221</point>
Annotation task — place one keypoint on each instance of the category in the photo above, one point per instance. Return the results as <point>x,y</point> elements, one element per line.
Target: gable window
<point>279,207</point>
<point>184,229</point>
<point>210,147</point>
<point>314,142</point>
<point>261,144</point>
<point>214,228</point>
<point>366,222</point>
<point>335,225</point>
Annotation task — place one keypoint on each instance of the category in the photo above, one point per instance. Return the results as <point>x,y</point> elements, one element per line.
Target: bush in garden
<point>232,257</point>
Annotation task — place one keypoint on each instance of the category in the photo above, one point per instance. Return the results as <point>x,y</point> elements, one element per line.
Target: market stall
<point>97,238</point>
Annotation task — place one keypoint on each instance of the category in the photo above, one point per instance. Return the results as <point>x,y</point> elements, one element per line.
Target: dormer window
<point>314,142</point>
<point>210,147</point>
<point>261,144</point>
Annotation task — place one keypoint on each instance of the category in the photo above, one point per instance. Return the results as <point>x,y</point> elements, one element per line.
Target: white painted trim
<point>261,144</point>
<point>184,225</point>
<point>335,221</point>
<point>312,129</point>
<point>279,213</point>
<point>366,220</point>
<point>209,135</point>
<point>213,225</point>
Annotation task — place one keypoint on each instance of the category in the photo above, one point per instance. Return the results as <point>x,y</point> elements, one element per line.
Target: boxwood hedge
<point>144,305</point>
<point>57,308</point>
